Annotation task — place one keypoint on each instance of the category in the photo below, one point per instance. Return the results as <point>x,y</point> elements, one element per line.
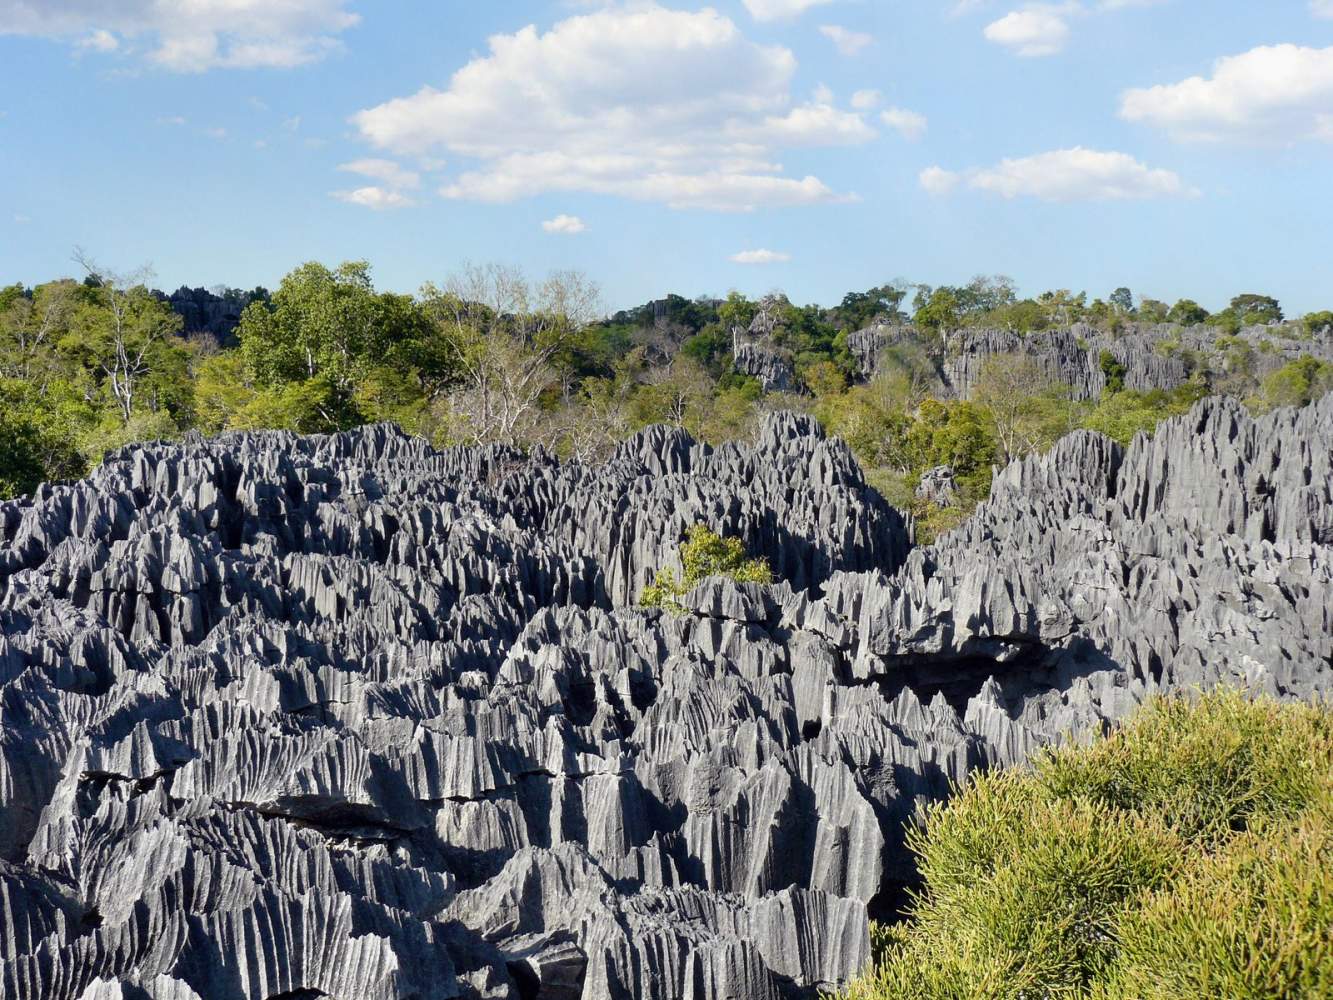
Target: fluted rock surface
<point>348,717</point>
<point>1152,357</point>
<point>773,368</point>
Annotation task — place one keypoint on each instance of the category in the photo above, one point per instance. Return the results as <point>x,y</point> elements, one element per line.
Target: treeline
<point>489,356</point>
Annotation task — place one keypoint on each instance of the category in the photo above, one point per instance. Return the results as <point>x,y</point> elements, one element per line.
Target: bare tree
<point>1030,407</point>
<point>684,388</point>
<point>589,428</point>
<point>506,335</point>
<point>132,330</point>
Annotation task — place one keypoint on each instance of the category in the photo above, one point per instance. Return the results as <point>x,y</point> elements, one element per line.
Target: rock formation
<point>772,367</point>
<point>756,351</point>
<point>344,716</point>
<point>208,313</point>
<point>938,486</point>
<point>1153,357</point>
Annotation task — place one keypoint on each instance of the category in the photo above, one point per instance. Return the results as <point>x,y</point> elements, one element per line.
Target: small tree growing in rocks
<point>704,553</point>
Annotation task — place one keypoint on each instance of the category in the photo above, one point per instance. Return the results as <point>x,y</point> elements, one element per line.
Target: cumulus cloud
<point>189,37</point>
<point>776,10</point>
<point>567,225</point>
<point>1274,93</point>
<point>1038,30</point>
<point>938,181</point>
<point>100,40</point>
<point>909,124</point>
<point>374,197</point>
<point>1064,175</point>
<point>391,191</point>
<point>864,100</point>
<point>759,257</point>
<point>387,171</point>
<point>638,102</point>
<point>848,42</point>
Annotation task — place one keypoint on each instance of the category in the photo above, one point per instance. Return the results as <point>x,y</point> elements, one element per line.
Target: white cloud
<point>190,36</point>
<point>775,10</point>
<point>639,102</point>
<point>386,171</point>
<point>1064,175</point>
<point>909,124</point>
<point>176,120</point>
<point>866,100</point>
<point>22,220</point>
<point>394,181</point>
<point>938,181</point>
<point>100,40</point>
<point>760,257</point>
<point>374,197</point>
<point>1038,30</point>
<point>567,225</point>
<point>848,42</point>
<point>1274,93</point>
<point>1322,8</point>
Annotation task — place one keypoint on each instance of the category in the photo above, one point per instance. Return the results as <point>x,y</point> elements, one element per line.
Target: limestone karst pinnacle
<point>343,716</point>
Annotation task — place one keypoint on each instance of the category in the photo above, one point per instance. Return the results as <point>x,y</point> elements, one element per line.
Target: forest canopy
<point>489,355</point>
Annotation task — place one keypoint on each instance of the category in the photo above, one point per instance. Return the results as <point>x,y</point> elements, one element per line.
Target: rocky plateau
<point>285,718</point>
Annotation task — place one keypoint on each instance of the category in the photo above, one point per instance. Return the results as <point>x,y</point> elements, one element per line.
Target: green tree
<point>1297,383</point>
<point>128,337</point>
<point>1317,321</point>
<point>1153,311</point>
<point>1251,309</point>
<point>1122,415</point>
<point>940,313</point>
<point>1122,300</point>
<point>859,309</point>
<point>703,554</point>
<point>1113,370</point>
<point>1187,312</point>
<point>330,331</point>
<point>737,312</point>
<point>1063,307</point>
<point>21,465</point>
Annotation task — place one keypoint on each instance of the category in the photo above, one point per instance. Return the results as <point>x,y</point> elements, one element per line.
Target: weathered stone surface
<point>1153,357</point>
<point>938,486</point>
<point>344,716</point>
<point>772,367</point>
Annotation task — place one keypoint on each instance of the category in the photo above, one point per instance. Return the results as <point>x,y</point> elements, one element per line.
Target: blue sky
<point>1180,147</point>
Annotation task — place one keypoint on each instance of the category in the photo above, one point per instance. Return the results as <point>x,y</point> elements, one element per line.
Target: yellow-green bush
<point>704,553</point>
<point>1189,854</point>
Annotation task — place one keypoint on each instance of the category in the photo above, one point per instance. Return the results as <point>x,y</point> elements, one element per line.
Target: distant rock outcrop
<point>755,349</point>
<point>1151,357</point>
<point>344,716</point>
<point>209,313</point>
<point>771,367</point>
<point>938,486</point>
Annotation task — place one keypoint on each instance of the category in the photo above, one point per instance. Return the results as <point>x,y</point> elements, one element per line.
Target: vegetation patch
<point>1187,855</point>
<point>704,553</point>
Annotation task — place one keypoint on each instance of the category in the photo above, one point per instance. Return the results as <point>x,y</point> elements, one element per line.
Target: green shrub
<point>704,553</point>
<point>1189,854</point>
<point>1250,922</point>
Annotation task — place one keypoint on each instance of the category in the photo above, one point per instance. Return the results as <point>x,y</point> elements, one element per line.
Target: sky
<point>1182,148</point>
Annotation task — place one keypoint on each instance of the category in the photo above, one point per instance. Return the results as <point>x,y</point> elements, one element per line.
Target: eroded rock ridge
<point>296,717</point>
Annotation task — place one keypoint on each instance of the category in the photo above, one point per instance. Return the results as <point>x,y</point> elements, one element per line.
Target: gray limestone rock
<point>938,486</point>
<point>345,716</point>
